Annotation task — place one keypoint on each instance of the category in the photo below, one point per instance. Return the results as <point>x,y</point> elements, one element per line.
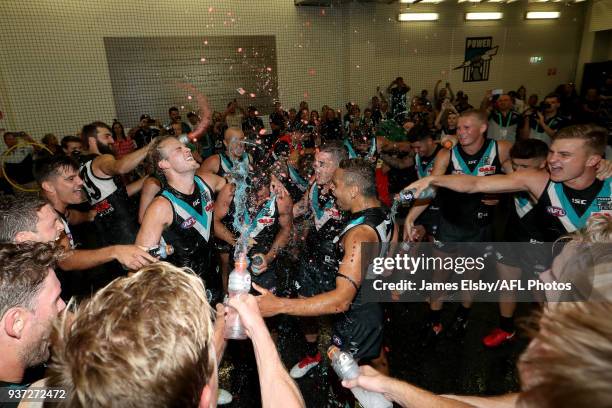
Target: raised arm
<point>108,166</point>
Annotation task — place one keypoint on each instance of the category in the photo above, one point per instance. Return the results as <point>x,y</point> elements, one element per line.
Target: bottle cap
<point>169,249</point>
<point>331,352</point>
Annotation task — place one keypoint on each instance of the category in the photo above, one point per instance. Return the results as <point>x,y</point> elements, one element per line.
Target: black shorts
<point>223,247</point>
<point>430,219</point>
<point>267,280</point>
<point>531,259</point>
<point>361,332</point>
<point>449,234</point>
<point>316,276</point>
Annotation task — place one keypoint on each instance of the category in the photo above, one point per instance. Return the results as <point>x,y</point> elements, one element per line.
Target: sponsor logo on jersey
<point>336,340</point>
<point>487,170</point>
<point>209,206</point>
<point>604,203</point>
<point>556,211</point>
<point>102,207</point>
<point>266,220</point>
<point>333,212</point>
<point>188,223</point>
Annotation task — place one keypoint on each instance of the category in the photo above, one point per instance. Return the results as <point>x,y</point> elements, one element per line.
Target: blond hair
<point>142,341</point>
<point>570,362</point>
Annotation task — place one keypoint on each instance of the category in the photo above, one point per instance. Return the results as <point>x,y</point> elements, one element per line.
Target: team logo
<point>103,207</point>
<point>479,51</point>
<point>266,220</point>
<point>188,223</point>
<point>556,211</point>
<point>487,170</point>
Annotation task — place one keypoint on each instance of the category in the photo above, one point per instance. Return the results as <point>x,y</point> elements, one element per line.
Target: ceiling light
<point>483,16</point>
<point>417,17</point>
<point>542,15</point>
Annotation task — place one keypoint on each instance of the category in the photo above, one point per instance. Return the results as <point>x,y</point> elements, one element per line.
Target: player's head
<point>327,160</point>
<point>422,141</point>
<point>232,140</point>
<point>471,127</point>
<point>142,341</point>
<point>98,134</point>
<point>528,154</point>
<point>58,177</point>
<point>504,102</point>
<point>575,150</point>
<point>169,156</point>
<point>28,218</point>
<point>569,362</point>
<point>354,179</point>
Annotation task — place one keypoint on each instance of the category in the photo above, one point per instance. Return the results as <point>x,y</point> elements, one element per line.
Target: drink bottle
<point>161,251</point>
<point>347,369</point>
<point>239,283</point>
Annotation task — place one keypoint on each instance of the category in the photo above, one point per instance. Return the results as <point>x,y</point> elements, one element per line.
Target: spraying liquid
<point>239,283</point>
<point>407,196</point>
<point>161,251</point>
<point>347,369</point>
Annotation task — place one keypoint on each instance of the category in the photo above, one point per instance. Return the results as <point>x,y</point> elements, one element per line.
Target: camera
<point>544,106</point>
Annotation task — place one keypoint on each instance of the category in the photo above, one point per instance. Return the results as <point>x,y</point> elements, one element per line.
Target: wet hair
<point>50,167</point>
<point>141,341</point>
<point>23,269</point>
<point>336,149</point>
<point>418,133</point>
<point>360,172</point>
<point>18,214</point>
<point>156,155</point>
<point>529,149</point>
<point>91,130</point>
<point>595,137</point>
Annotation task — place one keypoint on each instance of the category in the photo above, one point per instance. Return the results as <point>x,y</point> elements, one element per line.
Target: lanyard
<point>507,121</point>
<point>551,120</point>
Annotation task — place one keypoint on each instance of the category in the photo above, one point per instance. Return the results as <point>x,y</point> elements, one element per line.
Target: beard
<point>37,351</point>
<point>104,149</point>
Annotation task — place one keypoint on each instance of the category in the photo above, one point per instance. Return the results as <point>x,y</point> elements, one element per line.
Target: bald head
<point>232,139</point>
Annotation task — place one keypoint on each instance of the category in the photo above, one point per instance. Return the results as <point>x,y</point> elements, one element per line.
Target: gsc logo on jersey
<point>209,206</point>
<point>604,203</point>
<point>556,211</point>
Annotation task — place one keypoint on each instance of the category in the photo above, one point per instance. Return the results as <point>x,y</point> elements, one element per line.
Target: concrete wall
<point>54,75</point>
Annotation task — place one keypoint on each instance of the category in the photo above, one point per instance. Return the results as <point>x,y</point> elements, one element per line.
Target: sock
<point>463,312</point>
<point>506,324</point>
<point>434,317</point>
<point>312,348</point>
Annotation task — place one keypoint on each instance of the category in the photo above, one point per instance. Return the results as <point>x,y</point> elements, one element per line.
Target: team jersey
<point>522,225</point>
<point>328,221</point>
<point>261,226</point>
<point>467,210</point>
<point>226,164</point>
<point>116,220</point>
<point>362,318</point>
<point>563,210</point>
<point>191,229</point>
<point>429,217</point>
<point>537,132</point>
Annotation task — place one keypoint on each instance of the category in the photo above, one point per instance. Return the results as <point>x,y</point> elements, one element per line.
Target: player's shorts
<point>450,236</point>
<point>430,219</point>
<point>532,259</point>
<point>316,275</point>
<point>360,332</point>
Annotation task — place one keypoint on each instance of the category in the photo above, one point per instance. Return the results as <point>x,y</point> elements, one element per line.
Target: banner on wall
<point>479,52</point>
